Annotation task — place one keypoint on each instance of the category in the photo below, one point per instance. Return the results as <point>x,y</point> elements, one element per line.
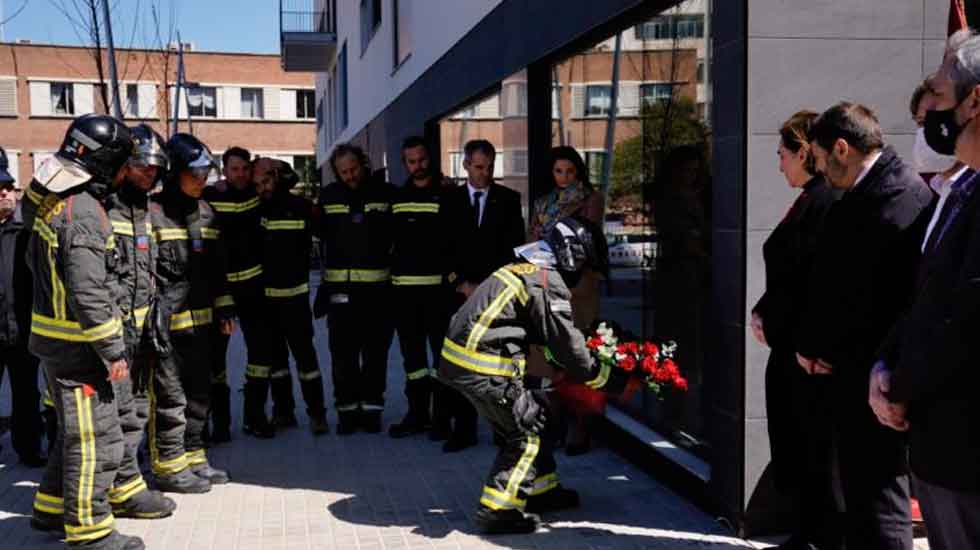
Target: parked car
<point>632,249</point>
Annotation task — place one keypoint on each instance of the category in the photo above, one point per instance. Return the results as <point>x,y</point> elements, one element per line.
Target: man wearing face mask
<point>925,378</point>
<point>862,279</point>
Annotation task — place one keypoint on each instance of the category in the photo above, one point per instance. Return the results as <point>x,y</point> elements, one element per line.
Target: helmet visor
<point>537,253</point>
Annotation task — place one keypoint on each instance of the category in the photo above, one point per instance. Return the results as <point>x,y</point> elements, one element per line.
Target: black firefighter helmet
<point>186,152</point>
<point>149,150</point>
<point>571,245</point>
<point>98,143</point>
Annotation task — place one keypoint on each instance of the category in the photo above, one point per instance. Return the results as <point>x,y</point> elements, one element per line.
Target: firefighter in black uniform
<point>421,295</point>
<point>237,206</point>
<point>190,271</point>
<point>77,328</point>
<point>356,236</point>
<point>484,354</point>
<point>287,221</point>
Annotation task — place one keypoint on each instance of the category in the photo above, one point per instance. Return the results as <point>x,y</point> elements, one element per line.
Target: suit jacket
<point>474,253</point>
<point>934,354</point>
<point>862,279</point>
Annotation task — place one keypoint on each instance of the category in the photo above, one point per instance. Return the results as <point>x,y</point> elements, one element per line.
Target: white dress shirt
<point>868,164</point>
<point>483,199</point>
<point>940,185</point>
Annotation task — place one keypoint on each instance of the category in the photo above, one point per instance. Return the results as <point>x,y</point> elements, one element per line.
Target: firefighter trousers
<point>83,466</point>
<point>179,401</point>
<point>258,370</point>
<point>525,464</point>
<point>220,392</point>
<point>290,323</point>
<point>422,317</point>
<point>360,334</point>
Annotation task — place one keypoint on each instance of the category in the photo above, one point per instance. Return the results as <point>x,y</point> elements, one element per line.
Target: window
<point>651,93</point>
<point>252,103</point>
<point>700,71</point>
<point>595,162</point>
<point>556,102</point>
<point>132,109</point>
<point>201,102</point>
<point>665,27</point>
<point>514,99</point>
<point>62,98</point>
<point>370,21</point>
<point>8,97</point>
<point>515,163</point>
<point>456,170</point>
<point>598,99</point>
<point>342,89</point>
<point>402,29</point>
<point>305,100</point>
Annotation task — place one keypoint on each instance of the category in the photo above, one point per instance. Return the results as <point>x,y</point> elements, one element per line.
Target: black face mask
<point>941,130</point>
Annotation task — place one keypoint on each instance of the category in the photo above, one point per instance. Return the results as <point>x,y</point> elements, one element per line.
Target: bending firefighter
<point>483,356</point>
<point>191,274</point>
<point>77,333</point>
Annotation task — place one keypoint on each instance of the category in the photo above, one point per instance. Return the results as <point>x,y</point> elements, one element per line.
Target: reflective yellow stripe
<point>257,371</point>
<point>196,457</point>
<point>281,373</point>
<point>139,316</point>
<point>545,483</point>
<point>245,274</point>
<point>210,233</point>
<point>47,399</point>
<point>520,470</point>
<point>497,500</point>
<point>172,466</point>
<point>34,196</point>
<point>287,292</point>
<point>173,234</point>
<point>417,374</point>
<point>49,504</point>
<point>356,275</point>
<point>110,242</point>
<point>50,499</point>
<point>89,532</point>
<point>48,509</point>
<point>224,301</point>
<point>307,376</point>
<point>123,228</point>
<point>86,470</point>
<point>416,280</point>
<point>235,207</point>
<point>188,319</point>
<point>376,207</point>
<point>488,316</point>
<point>481,362</point>
<point>600,380</point>
<point>283,225</point>
<point>72,331</point>
<point>432,207</point>
<point>46,232</point>
<point>126,491</point>
<point>336,209</point>
<point>512,282</point>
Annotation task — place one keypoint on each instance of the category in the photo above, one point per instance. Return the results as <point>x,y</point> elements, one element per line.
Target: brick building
<point>239,99</point>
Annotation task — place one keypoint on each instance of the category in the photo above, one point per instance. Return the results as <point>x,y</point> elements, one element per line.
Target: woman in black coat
<point>799,416</point>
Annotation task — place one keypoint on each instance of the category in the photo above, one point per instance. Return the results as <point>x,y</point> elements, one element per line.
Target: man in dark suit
<point>862,279</point>
<point>926,376</point>
<point>485,223</point>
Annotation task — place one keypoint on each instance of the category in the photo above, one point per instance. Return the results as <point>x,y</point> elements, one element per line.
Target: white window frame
<point>256,103</point>
<point>201,89</point>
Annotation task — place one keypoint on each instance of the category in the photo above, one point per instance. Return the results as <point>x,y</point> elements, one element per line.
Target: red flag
<point>957,17</point>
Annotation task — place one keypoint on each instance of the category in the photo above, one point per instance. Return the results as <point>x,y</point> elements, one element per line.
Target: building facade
<point>709,79</point>
<point>237,99</point>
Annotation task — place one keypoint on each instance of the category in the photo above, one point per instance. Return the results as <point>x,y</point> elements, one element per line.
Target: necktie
<point>477,195</point>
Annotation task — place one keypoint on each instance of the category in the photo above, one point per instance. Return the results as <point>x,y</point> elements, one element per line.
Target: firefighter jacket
<point>238,215</point>
<point>355,232</point>
<point>191,263</point>
<point>136,253</point>
<point>71,253</point>
<point>418,235</point>
<point>286,220</point>
<point>519,305</point>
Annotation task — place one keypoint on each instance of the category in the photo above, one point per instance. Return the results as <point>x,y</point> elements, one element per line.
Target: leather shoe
<point>504,522</point>
<point>260,428</point>
<point>145,505</point>
<point>318,425</point>
<point>458,442</point>
<point>116,541</point>
<point>34,460</point>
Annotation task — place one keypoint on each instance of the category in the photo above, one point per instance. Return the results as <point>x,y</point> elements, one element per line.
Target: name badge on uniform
<point>560,306</point>
<point>197,245</point>
<point>357,217</point>
<point>142,242</point>
<point>339,298</point>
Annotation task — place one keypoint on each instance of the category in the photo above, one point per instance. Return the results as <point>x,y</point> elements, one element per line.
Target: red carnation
<point>661,375</point>
<point>671,367</point>
<point>594,342</point>
<point>628,364</point>
<point>621,348</point>
<point>649,348</point>
<point>680,383</point>
<point>633,348</point>
<point>649,365</point>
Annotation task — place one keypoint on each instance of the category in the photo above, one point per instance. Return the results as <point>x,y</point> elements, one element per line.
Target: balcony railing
<point>307,34</point>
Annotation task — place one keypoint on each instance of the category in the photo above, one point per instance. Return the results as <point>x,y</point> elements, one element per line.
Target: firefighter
<point>287,221</point>
<point>354,294</point>
<point>483,356</point>
<point>421,296</point>
<point>190,270</point>
<point>77,328</point>
<point>237,206</point>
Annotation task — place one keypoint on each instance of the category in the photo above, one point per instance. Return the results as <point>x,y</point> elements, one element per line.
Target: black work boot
<point>145,505</point>
<point>213,475</point>
<point>416,421</point>
<point>113,541</point>
<point>255,422</point>
<point>504,522</point>
<point>183,482</point>
<point>220,434</point>
<point>285,420</point>
<point>410,425</point>
<point>556,499</point>
<point>48,523</point>
<point>318,423</point>
<point>371,422</point>
<point>349,422</point>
